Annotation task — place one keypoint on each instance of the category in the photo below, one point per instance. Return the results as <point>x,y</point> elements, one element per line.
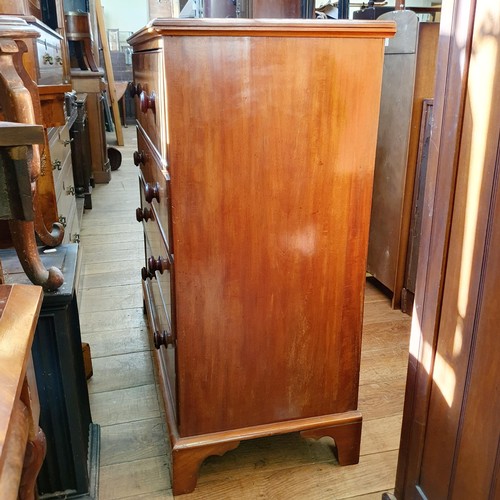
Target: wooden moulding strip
<point>258,431</point>
<point>267,28</point>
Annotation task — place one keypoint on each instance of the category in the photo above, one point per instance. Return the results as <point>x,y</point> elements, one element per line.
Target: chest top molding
<point>265,28</point>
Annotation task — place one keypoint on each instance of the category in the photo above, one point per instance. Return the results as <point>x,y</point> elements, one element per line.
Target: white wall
<point>125,15</point>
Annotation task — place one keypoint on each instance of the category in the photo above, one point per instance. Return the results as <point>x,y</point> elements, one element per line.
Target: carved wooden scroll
<point>20,155</point>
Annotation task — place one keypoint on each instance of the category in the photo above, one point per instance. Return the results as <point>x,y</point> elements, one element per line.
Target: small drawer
<point>158,327</point>
<point>72,229</point>
<point>64,180</point>
<point>148,96</point>
<point>155,190</point>
<point>68,217</point>
<point>49,60</point>
<point>66,198</point>
<point>60,150</point>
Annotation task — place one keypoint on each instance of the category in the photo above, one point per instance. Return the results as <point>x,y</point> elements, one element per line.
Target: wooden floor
<point>126,404</point>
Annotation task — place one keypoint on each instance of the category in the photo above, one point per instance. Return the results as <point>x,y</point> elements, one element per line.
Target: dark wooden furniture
<point>81,152</point>
<point>255,226</point>
<point>22,442</point>
<point>417,209</point>
<point>92,83</point>
<point>451,433</point>
<point>72,461</point>
<point>79,36</point>
<point>409,74</point>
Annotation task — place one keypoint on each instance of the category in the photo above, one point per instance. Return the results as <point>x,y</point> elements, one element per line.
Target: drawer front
<point>72,229</point>
<point>155,190</point>
<point>66,201</point>
<point>60,150</point>
<point>149,105</point>
<point>157,294</point>
<point>49,60</point>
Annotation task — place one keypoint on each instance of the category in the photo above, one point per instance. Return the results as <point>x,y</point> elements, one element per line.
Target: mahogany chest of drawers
<point>255,199</point>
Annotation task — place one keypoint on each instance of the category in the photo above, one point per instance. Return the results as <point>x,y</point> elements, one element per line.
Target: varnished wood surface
<point>264,27</point>
<point>460,450</point>
<point>133,460</point>
<point>19,410</point>
<point>270,229</point>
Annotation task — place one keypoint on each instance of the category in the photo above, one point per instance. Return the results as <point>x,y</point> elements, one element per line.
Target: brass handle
<point>57,164</point>
<point>48,59</point>
<point>70,190</point>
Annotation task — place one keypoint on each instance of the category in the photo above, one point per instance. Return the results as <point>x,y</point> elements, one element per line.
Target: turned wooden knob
<point>151,192</point>
<point>160,264</point>
<point>163,338</point>
<point>134,90</point>
<point>146,274</point>
<point>148,102</point>
<point>139,157</point>
<point>144,214</point>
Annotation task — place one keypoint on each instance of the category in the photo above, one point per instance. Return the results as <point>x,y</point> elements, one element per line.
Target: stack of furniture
<point>256,225</point>
<point>43,62</point>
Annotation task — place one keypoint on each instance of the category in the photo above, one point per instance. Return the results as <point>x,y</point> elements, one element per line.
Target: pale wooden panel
<point>374,294</point>
<point>125,405</point>
<point>392,334</point>
<point>381,400</point>
<point>110,298</point>
<point>109,320</point>
<point>112,251</point>
<point>120,342</point>
<point>115,228</point>
<point>115,239</point>
<point>157,495</point>
<point>108,267</point>
<point>126,276</point>
<point>315,481</point>
<point>133,441</point>
<point>121,372</point>
<point>375,314</point>
<point>129,479</point>
<point>383,365</point>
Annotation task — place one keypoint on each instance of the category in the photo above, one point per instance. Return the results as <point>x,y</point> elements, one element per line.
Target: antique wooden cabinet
<point>43,72</point>
<point>255,199</point>
<point>92,83</point>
